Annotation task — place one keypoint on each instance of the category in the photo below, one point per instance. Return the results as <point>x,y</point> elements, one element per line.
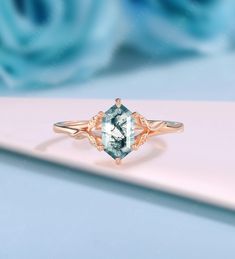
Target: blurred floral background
<point>52,42</point>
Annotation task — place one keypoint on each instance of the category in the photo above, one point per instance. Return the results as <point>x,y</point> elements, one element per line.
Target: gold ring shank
<point>70,127</point>
<point>165,128</point>
<point>157,127</point>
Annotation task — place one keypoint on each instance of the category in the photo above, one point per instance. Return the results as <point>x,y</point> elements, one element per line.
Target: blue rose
<point>47,42</point>
<point>169,26</point>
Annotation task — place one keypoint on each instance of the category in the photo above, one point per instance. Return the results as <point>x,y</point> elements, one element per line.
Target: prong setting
<point>118,102</point>
<point>135,115</point>
<point>101,114</point>
<point>134,147</point>
<point>118,161</point>
<point>100,148</point>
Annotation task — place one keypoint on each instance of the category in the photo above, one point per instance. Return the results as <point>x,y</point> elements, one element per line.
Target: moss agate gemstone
<point>118,132</point>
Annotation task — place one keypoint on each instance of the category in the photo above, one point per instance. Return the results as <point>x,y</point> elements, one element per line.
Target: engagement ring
<point>117,131</point>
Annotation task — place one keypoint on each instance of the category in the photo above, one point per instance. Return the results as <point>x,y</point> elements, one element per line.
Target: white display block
<point>199,163</point>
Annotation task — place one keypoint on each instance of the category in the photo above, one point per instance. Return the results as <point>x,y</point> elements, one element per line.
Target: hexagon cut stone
<point>118,132</point>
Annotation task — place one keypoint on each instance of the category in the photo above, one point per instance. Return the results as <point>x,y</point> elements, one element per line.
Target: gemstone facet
<point>118,132</point>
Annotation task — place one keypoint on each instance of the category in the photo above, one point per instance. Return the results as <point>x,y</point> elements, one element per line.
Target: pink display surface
<point>198,164</point>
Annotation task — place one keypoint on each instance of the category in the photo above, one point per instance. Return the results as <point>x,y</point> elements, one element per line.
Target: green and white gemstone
<point>118,133</point>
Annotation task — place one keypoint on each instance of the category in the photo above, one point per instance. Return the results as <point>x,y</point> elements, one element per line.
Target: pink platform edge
<point>198,164</point>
